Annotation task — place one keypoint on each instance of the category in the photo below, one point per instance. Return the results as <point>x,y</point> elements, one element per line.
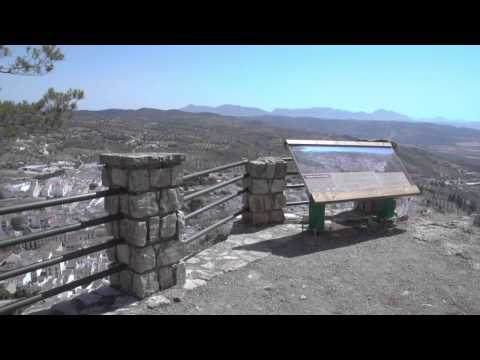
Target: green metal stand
<point>385,209</point>
<point>316,217</point>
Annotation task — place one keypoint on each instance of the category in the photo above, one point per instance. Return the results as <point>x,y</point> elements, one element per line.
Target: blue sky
<point>419,81</point>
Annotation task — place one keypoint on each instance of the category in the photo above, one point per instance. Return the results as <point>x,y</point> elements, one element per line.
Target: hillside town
<point>47,182</point>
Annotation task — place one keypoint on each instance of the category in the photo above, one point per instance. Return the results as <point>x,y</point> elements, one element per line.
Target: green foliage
<point>36,60</point>
<point>48,112</point>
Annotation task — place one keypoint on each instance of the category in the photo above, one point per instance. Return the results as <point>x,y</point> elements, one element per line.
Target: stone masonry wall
<point>152,224</point>
<point>265,196</point>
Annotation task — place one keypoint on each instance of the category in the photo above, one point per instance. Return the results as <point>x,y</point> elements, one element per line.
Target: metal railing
<point>213,188</point>
<point>212,205</point>
<point>15,305</point>
<point>296,203</point>
<point>60,289</point>
<point>295,186</point>
<point>216,203</point>
<point>61,201</point>
<point>218,168</point>
<point>57,231</point>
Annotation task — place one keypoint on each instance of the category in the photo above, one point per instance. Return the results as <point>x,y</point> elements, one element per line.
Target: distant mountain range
<point>322,113</point>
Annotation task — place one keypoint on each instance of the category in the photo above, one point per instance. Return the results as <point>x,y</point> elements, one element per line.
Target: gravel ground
<point>429,265</point>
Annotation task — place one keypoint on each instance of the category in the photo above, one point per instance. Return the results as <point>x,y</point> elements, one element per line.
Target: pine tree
<point>52,109</point>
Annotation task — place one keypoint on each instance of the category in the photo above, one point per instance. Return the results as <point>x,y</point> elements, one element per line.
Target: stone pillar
<point>265,196</point>
<point>152,223</point>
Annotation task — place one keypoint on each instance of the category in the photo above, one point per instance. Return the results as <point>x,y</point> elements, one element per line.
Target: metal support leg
<point>316,217</point>
<point>385,209</point>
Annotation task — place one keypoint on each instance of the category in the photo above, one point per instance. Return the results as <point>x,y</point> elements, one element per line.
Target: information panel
<point>335,171</point>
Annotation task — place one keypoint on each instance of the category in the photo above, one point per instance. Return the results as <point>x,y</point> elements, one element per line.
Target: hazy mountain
<point>471,125</point>
<point>329,113</point>
<point>314,112</point>
<point>227,110</point>
<point>325,113</point>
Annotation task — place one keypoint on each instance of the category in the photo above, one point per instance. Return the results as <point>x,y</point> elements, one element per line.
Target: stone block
<point>270,169</point>
<point>138,180</point>
<point>170,254</point>
<point>114,280</point>
<point>257,169</point>
<point>142,205</point>
<point>123,253</point>
<point>281,170</point>
<point>112,204</point>
<point>278,185</point>
<point>267,168</point>
<point>259,186</point>
<point>247,217</point>
<point>168,201</point>
<point>113,229</point>
<point>126,280</point>
<point>106,176</point>
<point>246,182</point>
<point>177,175</point>
<point>161,178</point>
<point>180,274</point>
<point>258,203</point>
<point>134,232</point>
<point>166,277</point>
<point>279,201</point>
<point>292,167</point>
<point>168,227</point>
<point>260,218</point>
<point>123,199</point>
<point>154,229</point>
<point>119,177</point>
<point>144,285</point>
<point>277,217</point>
<point>111,254</point>
<point>141,160</point>
<point>180,225</point>
<point>142,259</point>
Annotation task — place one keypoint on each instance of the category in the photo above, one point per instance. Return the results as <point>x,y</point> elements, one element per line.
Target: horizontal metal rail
<point>294,203</point>
<point>65,257</point>
<point>216,203</point>
<point>214,226</point>
<point>60,289</point>
<point>287,158</point>
<point>212,188</point>
<point>293,173</point>
<point>57,231</point>
<point>208,171</point>
<point>53,202</point>
<point>295,186</point>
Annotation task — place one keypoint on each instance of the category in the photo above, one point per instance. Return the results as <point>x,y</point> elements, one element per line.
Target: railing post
<point>265,196</point>
<point>152,223</point>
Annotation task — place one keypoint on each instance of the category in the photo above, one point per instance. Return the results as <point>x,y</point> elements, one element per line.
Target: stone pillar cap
<point>138,160</point>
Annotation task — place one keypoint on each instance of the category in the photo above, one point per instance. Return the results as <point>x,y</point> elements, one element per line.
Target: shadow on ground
<point>305,243</point>
<point>99,301</point>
